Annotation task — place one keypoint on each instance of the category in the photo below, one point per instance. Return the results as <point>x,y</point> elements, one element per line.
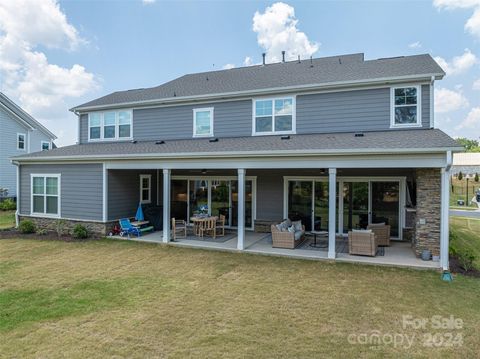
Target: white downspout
<point>445,203</point>
<point>432,102</point>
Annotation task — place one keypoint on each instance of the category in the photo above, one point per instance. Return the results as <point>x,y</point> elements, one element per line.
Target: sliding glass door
<point>355,205</point>
<point>386,205</point>
<point>217,196</point>
<point>308,202</point>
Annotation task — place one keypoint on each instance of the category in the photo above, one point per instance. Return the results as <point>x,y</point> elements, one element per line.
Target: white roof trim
<point>251,154</point>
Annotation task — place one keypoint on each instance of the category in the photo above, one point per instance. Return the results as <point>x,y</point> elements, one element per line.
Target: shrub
<point>79,232</point>
<point>8,205</point>
<point>60,227</point>
<point>476,177</point>
<point>26,227</point>
<point>42,231</point>
<point>466,257</point>
<point>460,176</point>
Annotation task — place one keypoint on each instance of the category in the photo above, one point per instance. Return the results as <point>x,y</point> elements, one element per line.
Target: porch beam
<point>332,182</point>
<point>241,210</point>
<point>166,205</point>
<point>444,229</point>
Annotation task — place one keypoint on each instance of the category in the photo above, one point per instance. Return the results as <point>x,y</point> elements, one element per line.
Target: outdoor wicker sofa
<point>282,238</point>
<point>382,233</point>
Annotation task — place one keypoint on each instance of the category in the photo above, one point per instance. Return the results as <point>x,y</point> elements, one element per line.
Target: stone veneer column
<point>427,226</point>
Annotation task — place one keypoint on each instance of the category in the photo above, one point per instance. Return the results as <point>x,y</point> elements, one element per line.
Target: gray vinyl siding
<point>346,111</point>
<point>10,126</point>
<point>81,189</point>
<point>124,192</point>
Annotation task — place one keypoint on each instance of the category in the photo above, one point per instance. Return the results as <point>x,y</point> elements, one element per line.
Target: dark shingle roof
<point>321,71</point>
<point>376,142</point>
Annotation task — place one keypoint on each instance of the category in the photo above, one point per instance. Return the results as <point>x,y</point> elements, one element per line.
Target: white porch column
<point>105,194</point>
<point>332,189</point>
<point>241,210</point>
<point>444,229</point>
<point>166,205</point>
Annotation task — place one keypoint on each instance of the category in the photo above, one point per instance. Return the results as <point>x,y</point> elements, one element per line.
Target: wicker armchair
<point>362,243</point>
<point>382,233</point>
<point>286,239</point>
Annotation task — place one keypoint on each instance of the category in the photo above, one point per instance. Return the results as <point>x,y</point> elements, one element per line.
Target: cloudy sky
<point>58,54</point>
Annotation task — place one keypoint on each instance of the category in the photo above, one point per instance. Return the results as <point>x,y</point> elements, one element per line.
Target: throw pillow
<point>297,225</point>
<point>291,229</point>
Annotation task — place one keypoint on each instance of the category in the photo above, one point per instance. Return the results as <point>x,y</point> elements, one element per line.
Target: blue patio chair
<point>127,228</point>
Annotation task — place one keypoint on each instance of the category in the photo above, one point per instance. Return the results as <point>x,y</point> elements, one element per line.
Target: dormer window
<point>405,107</point>
<point>110,125</point>
<point>274,116</point>
<point>203,122</point>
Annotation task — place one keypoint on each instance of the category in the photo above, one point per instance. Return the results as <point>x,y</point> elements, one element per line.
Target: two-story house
<point>20,134</point>
<point>338,142</point>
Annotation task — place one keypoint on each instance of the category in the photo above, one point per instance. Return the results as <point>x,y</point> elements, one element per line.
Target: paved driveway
<point>469,214</point>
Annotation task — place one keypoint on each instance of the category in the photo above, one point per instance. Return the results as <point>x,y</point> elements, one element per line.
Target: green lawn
<point>467,232</point>
<point>126,299</point>
<point>7,219</point>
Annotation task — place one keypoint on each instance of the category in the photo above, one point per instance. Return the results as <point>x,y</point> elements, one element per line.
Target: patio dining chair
<point>179,228</point>
<point>220,226</point>
<point>208,227</point>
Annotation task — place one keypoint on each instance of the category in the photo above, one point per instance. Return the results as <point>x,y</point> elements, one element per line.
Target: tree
<point>476,177</point>
<point>460,176</point>
<point>470,145</point>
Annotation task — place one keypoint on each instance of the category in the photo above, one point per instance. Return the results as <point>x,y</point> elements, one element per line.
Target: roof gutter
<point>273,90</point>
<point>249,154</point>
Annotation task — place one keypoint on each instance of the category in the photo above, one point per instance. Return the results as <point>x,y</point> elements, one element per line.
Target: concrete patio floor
<point>398,254</point>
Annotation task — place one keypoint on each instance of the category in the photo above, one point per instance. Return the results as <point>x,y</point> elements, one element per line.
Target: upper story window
<point>274,116</point>
<point>405,106</point>
<point>45,193</point>
<point>203,122</point>
<point>21,141</point>
<point>110,125</point>
<point>45,145</point>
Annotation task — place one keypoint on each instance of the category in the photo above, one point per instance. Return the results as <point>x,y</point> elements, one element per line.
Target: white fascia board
<point>243,154</point>
<point>272,91</point>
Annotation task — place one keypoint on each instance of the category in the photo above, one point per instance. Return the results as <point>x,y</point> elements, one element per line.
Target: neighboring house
<point>338,142</point>
<point>468,163</point>
<point>20,134</point>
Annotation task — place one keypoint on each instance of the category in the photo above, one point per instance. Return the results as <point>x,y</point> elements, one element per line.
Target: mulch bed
<point>49,235</point>
<point>456,268</point>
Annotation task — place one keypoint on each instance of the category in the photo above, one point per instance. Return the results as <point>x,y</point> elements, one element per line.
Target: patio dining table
<point>198,222</point>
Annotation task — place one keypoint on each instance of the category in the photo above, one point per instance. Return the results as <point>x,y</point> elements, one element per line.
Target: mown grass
<point>467,235</point>
<point>7,219</point>
<point>124,299</point>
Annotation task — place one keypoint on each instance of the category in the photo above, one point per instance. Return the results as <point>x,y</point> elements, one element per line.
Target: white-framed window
<point>203,122</point>
<point>145,188</point>
<point>110,125</point>
<point>405,106</point>
<point>46,145</point>
<point>21,141</point>
<point>274,116</point>
<point>45,192</point>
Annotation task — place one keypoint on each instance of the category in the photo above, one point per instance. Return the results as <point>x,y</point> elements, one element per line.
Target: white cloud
<point>41,88</point>
<point>459,64</point>
<point>148,2</point>
<point>228,66</point>
<point>472,120</point>
<point>248,61</point>
<point>476,84</point>
<point>473,23</point>
<point>415,45</point>
<point>277,31</point>
<point>447,100</point>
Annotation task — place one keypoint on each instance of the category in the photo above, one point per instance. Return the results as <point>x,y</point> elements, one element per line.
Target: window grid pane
<point>203,122</point>
<point>124,131</point>
<point>38,204</point>
<point>38,185</point>
<point>263,124</point>
<point>52,185</point>
<point>52,205</point>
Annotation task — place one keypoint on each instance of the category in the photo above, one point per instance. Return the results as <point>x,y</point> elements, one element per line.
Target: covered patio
<point>399,254</point>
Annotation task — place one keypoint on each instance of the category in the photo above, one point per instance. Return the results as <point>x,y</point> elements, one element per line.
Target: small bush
<point>466,257</point>
<point>60,227</point>
<point>26,227</point>
<point>8,205</point>
<point>476,179</point>
<point>79,232</point>
<point>42,231</point>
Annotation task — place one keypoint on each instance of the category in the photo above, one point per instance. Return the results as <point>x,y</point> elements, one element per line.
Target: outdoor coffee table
<point>315,234</point>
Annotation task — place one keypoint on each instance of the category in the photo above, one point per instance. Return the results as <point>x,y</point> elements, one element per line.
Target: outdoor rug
<point>222,239</point>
